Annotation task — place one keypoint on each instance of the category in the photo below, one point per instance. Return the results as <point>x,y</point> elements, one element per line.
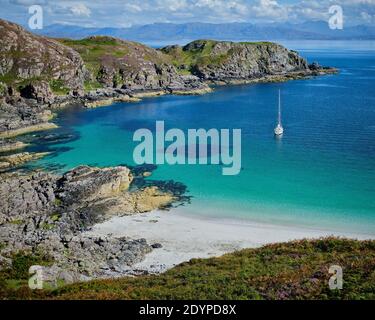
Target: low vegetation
<point>14,279</point>
<point>294,270</point>
<point>58,87</point>
<point>201,53</point>
<point>93,49</point>
<point>104,53</point>
<point>197,53</point>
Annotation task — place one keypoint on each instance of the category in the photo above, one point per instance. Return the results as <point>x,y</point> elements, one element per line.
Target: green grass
<point>47,226</point>
<point>17,222</point>
<point>187,59</point>
<point>14,280</point>
<point>11,79</point>
<point>93,49</point>
<point>3,89</point>
<point>58,88</point>
<point>98,52</point>
<point>21,263</point>
<point>257,43</point>
<point>55,217</point>
<point>97,40</point>
<point>57,202</point>
<point>8,78</point>
<point>92,85</point>
<point>200,53</point>
<point>184,72</point>
<point>294,270</point>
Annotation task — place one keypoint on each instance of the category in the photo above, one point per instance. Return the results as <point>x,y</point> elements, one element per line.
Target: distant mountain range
<point>315,30</point>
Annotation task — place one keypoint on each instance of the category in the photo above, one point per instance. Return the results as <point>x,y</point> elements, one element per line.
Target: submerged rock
<point>14,160</point>
<point>6,146</point>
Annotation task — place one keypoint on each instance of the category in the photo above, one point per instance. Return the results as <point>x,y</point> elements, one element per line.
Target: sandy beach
<point>184,237</point>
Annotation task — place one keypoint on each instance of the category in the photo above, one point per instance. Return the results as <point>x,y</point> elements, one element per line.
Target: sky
<point>126,13</point>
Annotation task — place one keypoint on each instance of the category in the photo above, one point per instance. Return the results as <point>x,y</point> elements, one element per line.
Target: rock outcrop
<point>17,159</point>
<point>131,65</point>
<point>30,67</point>
<point>222,61</point>
<point>6,146</point>
<point>18,117</point>
<point>49,213</point>
<point>25,56</point>
<point>44,68</point>
<point>92,184</point>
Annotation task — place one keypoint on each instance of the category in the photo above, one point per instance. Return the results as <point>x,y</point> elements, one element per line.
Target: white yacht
<point>279,130</point>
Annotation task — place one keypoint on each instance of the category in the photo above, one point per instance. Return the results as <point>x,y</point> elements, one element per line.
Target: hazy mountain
<point>315,30</point>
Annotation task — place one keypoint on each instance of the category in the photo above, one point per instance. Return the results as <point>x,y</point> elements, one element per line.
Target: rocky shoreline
<point>41,212</point>
<point>47,74</point>
<point>19,118</point>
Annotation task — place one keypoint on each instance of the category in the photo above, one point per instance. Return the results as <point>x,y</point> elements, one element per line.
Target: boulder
<point>87,184</point>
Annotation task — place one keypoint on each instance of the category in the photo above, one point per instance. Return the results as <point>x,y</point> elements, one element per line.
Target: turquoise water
<point>321,174</point>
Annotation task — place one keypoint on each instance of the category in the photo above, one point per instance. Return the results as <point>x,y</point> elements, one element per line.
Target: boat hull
<point>279,131</point>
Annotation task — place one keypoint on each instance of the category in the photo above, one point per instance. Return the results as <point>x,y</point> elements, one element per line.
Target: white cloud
<point>129,12</point>
<point>28,2</point>
<point>134,8</point>
<point>221,10</point>
<point>270,9</point>
<point>367,18</point>
<point>357,2</point>
<point>172,5</point>
<point>80,9</point>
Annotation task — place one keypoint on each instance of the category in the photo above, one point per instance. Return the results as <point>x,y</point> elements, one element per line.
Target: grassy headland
<point>294,270</point>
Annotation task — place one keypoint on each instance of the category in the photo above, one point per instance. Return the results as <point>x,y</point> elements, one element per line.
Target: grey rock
<point>39,91</point>
<point>49,213</point>
<point>157,246</point>
<point>229,60</point>
<point>38,57</point>
<point>93,183</point>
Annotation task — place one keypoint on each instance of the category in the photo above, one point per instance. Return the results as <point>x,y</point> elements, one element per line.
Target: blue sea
<point>321,174</point>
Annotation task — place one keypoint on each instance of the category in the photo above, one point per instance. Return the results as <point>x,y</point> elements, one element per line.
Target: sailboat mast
<point>279,130</point>
<point>279,107</point>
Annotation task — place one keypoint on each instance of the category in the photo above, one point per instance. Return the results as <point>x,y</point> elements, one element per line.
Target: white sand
<point>185,237</point>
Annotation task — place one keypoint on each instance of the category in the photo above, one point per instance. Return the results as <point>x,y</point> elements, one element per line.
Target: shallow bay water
<point>321,174</point>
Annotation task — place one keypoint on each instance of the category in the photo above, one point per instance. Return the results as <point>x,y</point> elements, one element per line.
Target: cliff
<point>223,61</point>
<point>39,68</point>
<point>38,74</point>
<point>115,63</point>
<point>25,57</point>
